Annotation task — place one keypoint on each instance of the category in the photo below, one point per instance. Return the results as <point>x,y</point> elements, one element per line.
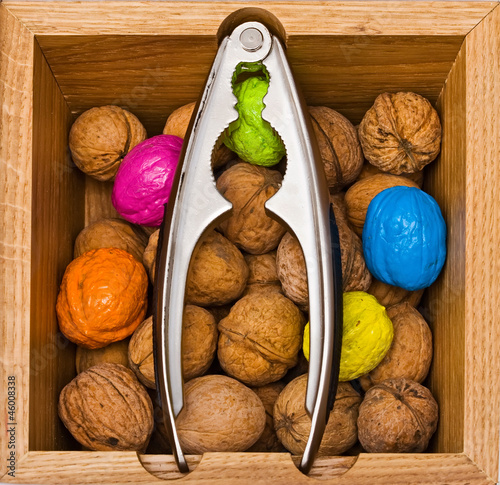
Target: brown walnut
<point>219,414</point>
<point>388,295</point>
<point>339,146</point>
<point>199,341</point>
<point>263,276</point>
<point>101,137</point>
<point>248,187</point>
<point>397,416</point>
<point>218,273</point>
<point>359,196</point>
<point>116,353</point>
<point>149,255</point>
<point>401,132</point>
<point>410,354</point>
<point>291,265</point>
<point>293,425</point>
<point>268,441</point>
<point>112,233</point>
<point>368,170</point>
<point>177,124</point>
<point>260,338</point>
<point>106,408</point>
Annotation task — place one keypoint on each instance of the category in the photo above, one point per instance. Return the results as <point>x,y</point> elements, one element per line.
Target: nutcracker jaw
<point>301,204</point>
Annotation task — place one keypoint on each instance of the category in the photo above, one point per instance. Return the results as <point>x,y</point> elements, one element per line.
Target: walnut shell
<point>248,187</point>
<point>260,338</point>
<point>218,273</point>
<point>293,425</point>
<point>149,255</point>
<point>359,196</point>
<point>397,416</point>
<point>410,354</point>
<point>292,267</point>
<point>178,123</point>
<point>112,233</point>
<point>101,137</point>
<point>368,170</point>
<point>388,295</point>
<point>401,132</point>
<point>116,353</point>
<point>268,441</point>
<point>339,146</point>
<point>263,276</point>
<point>199,340</point>
<point>106,408</point>
<point>219,414</point>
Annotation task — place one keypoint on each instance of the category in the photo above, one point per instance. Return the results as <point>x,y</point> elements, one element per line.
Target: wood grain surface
<point>57,218</point>
<point>298,17</point>
<point>482,241</point>
<point>151,57</point>
<point>152,76</point>
<point>247,469</point>
<point>443,305</point>
<point>16,78</point>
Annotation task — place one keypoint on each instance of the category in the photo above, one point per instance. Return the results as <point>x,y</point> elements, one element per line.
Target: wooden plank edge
<point>482,265</point>
<point>16,93</point>
<point>298,18</point>
<point>246,468</point>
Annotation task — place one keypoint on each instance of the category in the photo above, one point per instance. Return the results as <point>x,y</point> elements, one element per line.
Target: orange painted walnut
<point>103,297</point>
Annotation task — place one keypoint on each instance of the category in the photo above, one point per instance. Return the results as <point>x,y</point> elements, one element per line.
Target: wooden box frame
<point>59,58</point>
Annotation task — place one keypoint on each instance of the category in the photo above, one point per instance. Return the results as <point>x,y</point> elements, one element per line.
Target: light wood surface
<point>298,18</point>
<point>98,200</point>
<point>482,242</point>
<point>371,47</point>
<point>443,305</point>
<point>247,468</point>
<point>16,73</point>
<point>57,218</point>
<point>152,76</point>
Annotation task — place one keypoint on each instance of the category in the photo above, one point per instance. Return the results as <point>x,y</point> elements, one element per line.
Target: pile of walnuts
<point>247,301</point>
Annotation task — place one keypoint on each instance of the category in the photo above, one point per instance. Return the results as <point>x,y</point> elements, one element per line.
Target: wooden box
<point>60,58</point>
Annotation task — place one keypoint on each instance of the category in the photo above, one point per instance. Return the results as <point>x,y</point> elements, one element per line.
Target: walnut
<point>410,354</point>
<point>149,255</point>
<point>219,414</point>
<point>101,137</point>
<point>401,132</point>
<point>260,338</point>
<point>116,353</point>
<point>106,408</point>
<point>397,416</point>
<point>388,295</point>
<point>177,124</point>
<point>199,340</point>
<point>339,146</point>
<point>292,267</point>
<point>218,273</point>
<point>112,233</point>
<point>263,276</point>
<point>359,196</point>
<point>368,170</point>
<point>248,187</point>
<point>293,425</point>
<point>268,441</point>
